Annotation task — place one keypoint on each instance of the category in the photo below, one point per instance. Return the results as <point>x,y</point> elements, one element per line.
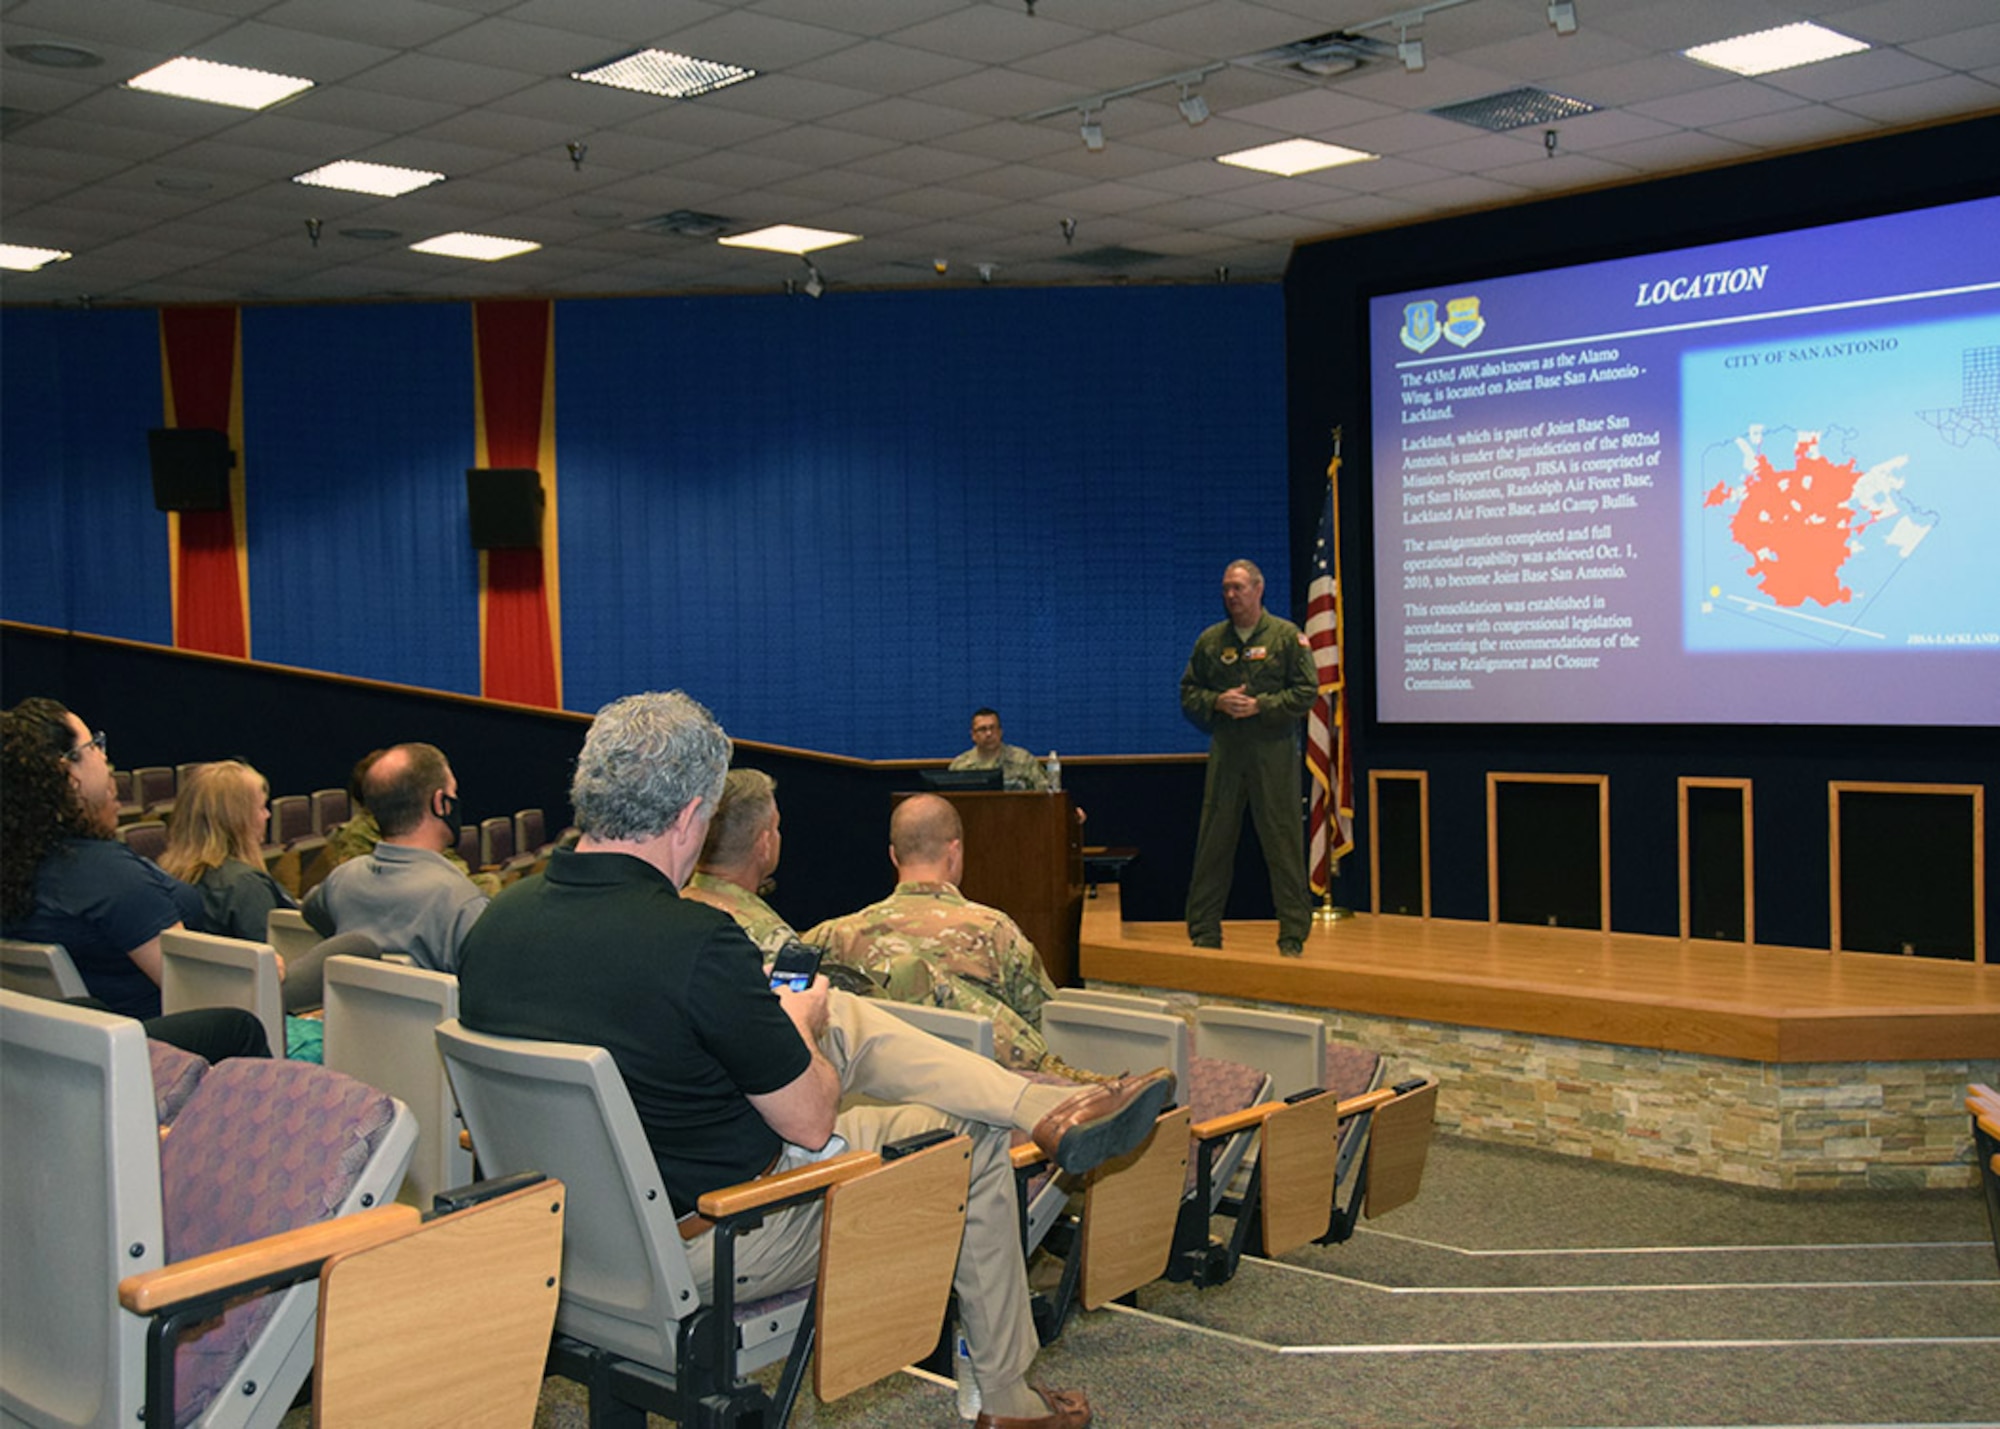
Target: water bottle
<point>1054,771</point>
<point>968,1384</point>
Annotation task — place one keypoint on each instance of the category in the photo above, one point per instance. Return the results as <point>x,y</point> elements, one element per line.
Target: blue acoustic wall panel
<point>81,547</point>
<point>845,524</point>
<point>358,428</point>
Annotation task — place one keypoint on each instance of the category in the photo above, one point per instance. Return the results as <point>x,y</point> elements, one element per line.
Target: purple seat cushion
<point>261,1147</point>
<point>175,1076</point>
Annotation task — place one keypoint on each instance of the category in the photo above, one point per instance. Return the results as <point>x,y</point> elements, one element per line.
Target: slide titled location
<point>1723,500</point>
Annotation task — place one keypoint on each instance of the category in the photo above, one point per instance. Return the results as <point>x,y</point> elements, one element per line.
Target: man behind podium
<point>990,750</point>
<point>1248,683</point>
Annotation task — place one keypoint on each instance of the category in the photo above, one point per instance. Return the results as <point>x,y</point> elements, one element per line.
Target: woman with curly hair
<point>216,843</point>
<point>65,879</point>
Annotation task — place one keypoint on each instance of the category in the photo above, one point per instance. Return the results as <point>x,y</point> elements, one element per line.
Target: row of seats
<point>1271,1141</point>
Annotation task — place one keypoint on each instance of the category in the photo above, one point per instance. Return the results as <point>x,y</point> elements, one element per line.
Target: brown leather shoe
<point>1068,1409</point>
<point>1102,1123</point>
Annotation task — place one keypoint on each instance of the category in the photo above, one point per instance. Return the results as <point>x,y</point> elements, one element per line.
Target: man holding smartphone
<point>731,1079</point>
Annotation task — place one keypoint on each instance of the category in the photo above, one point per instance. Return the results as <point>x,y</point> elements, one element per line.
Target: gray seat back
<point>563,1109</point>
<point>203,970</point>
<point>289,934</point>
<point>39,970</point>
<point>381,1024</point>
<point>1130,1001</point>
<point>1289,1048</point>
<point>76,1090</point>
<point>1101,1038</point>
<point>962,1029</point>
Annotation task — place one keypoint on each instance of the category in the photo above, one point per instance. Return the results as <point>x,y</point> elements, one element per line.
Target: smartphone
<point>795,969</point>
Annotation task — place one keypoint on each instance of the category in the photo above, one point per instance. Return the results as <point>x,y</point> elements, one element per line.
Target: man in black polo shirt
<point>731,1079</point>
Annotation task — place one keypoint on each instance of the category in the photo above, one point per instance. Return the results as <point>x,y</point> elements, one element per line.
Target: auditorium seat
<point>329,809</point>
<point>146,837</point>
<point>129,807</point>
<point>381,1023</point>
<point>468,845</point>
<point>629,1301</point>
<point>530,831</point>
<point>291,819</point>
<point>153,789</point>
<point>182,773</point>
<point>496,841</point>
<point>39,970</point>
<point>92,1196</point>
<point>203,970</point>
<point>175,1076</point>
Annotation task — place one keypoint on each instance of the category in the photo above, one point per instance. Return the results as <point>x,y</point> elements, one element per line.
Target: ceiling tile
<point>1934,99</point>
<point>1854,74</point>
<point>1736,99</point>
<point>989,34</point>
<point>405,24</point>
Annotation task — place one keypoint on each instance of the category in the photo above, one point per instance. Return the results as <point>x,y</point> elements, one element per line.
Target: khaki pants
<point>927,1084</point>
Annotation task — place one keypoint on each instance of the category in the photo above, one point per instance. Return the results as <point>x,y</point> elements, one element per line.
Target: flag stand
<point>1328,911</point>
<point>1330,821</point>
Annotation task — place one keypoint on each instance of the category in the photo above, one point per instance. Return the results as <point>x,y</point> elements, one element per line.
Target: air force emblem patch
<point>1420,326</point>
<point>1462,323</point>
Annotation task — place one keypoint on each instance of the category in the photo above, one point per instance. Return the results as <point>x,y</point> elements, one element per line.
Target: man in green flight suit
<point>1249,683</point>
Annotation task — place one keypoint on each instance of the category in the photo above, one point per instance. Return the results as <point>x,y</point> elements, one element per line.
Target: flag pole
<point>1332,821</point>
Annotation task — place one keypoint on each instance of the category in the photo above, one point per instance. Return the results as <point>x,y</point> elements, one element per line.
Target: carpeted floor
<point>1525,1289</point>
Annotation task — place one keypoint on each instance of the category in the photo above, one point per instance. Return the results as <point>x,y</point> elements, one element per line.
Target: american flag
<point>1331,821</point>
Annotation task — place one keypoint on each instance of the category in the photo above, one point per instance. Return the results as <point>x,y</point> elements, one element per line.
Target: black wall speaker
<point>506,507</point>
<point>191,467</point>
<point>1548,854</point>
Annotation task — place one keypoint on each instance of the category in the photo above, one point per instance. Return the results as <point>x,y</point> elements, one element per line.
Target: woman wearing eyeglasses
<point>64,877</point>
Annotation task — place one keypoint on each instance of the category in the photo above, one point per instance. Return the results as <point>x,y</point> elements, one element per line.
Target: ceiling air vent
<point>1327,56</point>
<point>1515,109</point>
<point>684,223</point>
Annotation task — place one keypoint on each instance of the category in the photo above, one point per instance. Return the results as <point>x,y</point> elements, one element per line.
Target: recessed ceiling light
<point>1294,156</point>
<point>665,73</point>
<point>18,259</point>
<point>1766,51</point>
<point>55,54</point>
<point>789,238</point>
<point>387,180</point>
<point>213,83</point>
<point>482,246</point>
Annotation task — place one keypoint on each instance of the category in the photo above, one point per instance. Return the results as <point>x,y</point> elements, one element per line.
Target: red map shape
<point>1795,524</point>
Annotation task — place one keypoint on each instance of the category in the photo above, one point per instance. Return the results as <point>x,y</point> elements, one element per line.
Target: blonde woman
<point>216,843</point>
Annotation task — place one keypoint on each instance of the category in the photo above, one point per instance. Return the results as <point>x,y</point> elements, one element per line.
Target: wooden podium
<point>1024,856</point>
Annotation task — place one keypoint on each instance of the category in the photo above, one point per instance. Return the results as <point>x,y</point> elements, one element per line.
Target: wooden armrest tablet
<point>1215,1128</point>
<point>206,1274</point>
<point>748,1195</point>
<point>1027,1154</point>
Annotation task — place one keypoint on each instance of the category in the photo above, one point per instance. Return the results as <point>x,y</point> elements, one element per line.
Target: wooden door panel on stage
<point>1717,863</point>
<point>1548,849</point>
<point>1399,854</point>
<point>1907,867</point>
<point>1024,856</point>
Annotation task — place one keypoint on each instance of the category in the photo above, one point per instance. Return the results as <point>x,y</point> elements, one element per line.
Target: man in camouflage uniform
<point>1249,682</point>
<point>979,959</point>
<point>1018,768</point>
<point>738,859</point>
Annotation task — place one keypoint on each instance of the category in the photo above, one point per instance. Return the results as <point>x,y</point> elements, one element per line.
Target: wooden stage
<point>1755,1003</point>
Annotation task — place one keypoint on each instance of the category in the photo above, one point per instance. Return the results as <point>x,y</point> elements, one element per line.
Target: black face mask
<point>448,810</point>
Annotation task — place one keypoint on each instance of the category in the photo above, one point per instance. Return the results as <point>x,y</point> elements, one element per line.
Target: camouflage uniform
<point>361,833</point>
<point>978,959</point>
<point>900,979</point>
<point>1018,768</point>
<point>758,920</point>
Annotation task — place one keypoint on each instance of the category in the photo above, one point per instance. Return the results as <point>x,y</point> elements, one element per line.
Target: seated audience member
<point>65,878</point>
<point>978,959</point>
<point>215,843</point>
<point>357,836</point>
<point>1018,768</point>
<point>736,865</point>
<point>731,1079</point>
<point>405,896</point>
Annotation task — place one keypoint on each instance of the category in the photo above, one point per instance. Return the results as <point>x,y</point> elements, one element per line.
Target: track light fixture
<point>815,282</point>
<point>1193,107</point>
<point>1410,52</point>
<point>1562,15</point>
<point>1092,131</point>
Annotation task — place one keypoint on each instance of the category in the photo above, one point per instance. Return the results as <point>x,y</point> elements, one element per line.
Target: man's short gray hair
<point>1249,568</point>
<point>749,798</point>
<point>645,759</point>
